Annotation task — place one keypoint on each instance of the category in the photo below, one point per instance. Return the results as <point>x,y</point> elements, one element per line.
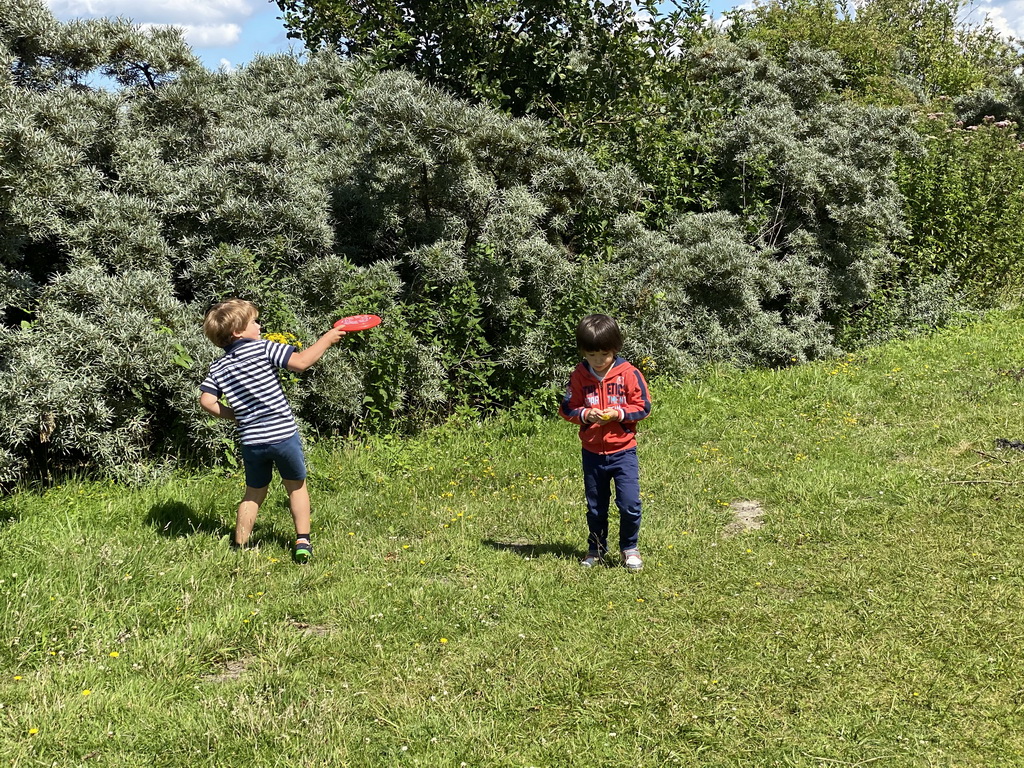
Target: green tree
<point>325,187</point>
<point>542,58</point>
<point>42,53</point>
<point>608,75</point>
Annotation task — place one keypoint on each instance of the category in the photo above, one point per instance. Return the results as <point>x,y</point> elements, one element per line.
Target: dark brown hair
<point>597,333</point>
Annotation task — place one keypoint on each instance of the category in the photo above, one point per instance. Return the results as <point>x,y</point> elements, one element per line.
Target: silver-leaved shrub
<point>322,188</point>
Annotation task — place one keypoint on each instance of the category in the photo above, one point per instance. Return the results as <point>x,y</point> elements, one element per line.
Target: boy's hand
<point>602,415</point>
<point>300,361</point>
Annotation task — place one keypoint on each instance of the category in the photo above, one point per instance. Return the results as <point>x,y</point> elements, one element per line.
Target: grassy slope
<point>874,619</point>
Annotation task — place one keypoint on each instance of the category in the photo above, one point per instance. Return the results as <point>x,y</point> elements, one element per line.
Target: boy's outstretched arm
<point>213,406</point>
<point>300,361</point>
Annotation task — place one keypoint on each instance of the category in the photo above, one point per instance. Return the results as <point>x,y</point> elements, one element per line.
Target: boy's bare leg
<point>298,502</point>
<point>247,509</point>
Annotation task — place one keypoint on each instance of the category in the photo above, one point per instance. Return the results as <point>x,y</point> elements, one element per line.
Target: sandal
<point>302,552</point>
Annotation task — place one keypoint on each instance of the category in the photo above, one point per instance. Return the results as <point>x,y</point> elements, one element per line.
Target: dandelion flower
<point>86,692</point>
<point>114,654</point>
<point>444,640</point>
<point>33,731</point>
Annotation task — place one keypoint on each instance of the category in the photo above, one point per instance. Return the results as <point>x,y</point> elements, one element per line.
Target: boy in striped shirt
<point>246,377</point>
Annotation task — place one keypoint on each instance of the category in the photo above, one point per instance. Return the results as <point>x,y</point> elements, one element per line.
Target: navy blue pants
<point>599,472</point>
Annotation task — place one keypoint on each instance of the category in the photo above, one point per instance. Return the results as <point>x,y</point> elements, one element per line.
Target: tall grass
<point>873,619</point>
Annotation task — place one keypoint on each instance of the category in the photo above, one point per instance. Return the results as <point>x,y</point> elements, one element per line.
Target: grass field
<point>875,618</point>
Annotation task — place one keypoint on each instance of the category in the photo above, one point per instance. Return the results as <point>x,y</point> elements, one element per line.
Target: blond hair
<point>227,318</point>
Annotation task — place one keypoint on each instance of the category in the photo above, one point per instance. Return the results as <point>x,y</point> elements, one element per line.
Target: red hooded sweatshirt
<point>622,388</point>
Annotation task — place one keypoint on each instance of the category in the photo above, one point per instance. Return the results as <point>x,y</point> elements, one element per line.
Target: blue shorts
<point>259,461</point>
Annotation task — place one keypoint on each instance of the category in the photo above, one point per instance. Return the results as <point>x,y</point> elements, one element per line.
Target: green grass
<point>874,619</point>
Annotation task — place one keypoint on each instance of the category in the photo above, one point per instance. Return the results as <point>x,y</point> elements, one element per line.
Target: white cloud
<point>191,13</point>
<point>205,35</point>
<point>721,22</point>
<point>1000,24</point>
<point>226,66</point>
<point>212,35</point>
<point>1006,18</point>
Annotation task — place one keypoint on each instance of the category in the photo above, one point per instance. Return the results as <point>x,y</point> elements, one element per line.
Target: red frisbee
<point>357,322</point>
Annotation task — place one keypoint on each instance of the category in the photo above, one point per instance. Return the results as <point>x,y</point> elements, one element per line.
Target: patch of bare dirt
<point>233,670</point>
<point>747,515</point>
<point>311,629</point>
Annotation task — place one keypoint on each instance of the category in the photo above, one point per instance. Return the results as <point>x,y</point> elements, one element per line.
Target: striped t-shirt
<point>247,376</point>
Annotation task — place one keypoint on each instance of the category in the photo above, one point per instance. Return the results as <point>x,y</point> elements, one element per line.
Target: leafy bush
<point>315,190</point>
<point>104,377</point>
<point>893,51</point>
<point>903,306</point>
<point>323,188</point>
<point>810,175</point>
<point>700,293</point>
<point>965,205</point>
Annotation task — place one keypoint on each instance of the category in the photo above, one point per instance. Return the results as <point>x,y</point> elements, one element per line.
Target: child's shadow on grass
<point>529,550</point>
<point>177,519</point>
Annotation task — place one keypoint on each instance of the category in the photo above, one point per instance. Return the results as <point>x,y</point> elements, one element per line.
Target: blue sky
<point>230,33</point>
<point>225,33</point>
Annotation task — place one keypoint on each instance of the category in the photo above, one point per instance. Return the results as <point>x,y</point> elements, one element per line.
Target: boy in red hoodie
<point>607,396</point>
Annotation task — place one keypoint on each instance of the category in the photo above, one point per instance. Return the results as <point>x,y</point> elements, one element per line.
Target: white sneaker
<point>631,560</point>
